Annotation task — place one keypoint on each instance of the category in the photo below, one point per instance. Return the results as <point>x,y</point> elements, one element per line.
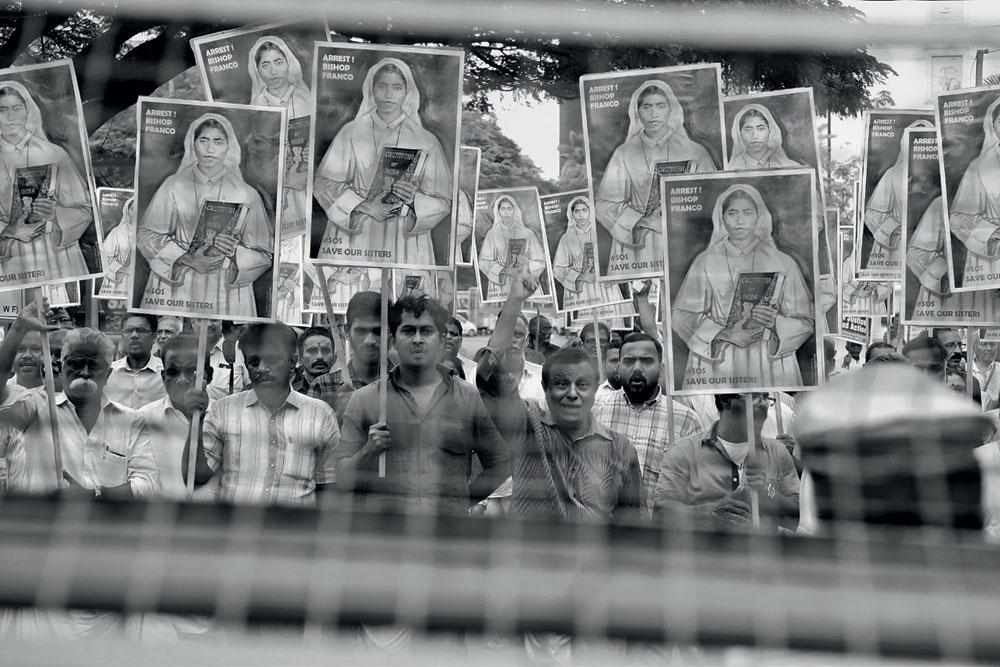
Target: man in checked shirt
<point>638,410</point>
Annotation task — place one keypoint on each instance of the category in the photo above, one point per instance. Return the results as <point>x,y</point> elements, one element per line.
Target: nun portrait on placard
<point>656,134</point>
<point>757,141</point>
<point>926,259</point>
<point>118,247</point>
<point>573,266</point>
<point>277,81</point>
<point>975,210</point>
<point>46,234</point>
<point>763,344</point>
<point>223,270</point>
<point>495,260</point>
<point>388,117</point>
<point>884,209</point>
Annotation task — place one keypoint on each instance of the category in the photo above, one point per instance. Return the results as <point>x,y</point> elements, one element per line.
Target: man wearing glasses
<point>705,479</point>
<point>60,317</point>
<point>136,378</point>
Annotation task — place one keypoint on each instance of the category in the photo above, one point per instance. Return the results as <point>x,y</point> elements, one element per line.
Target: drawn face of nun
<point>739,216</point>
<point>389,90</point>
<point>13,115</point>
<point>273,68</point>
<point>210,147</point>
<point>581,214</point>
<point>506,211</point>
<point>754,132</point>
<point>996,117</point>
<point>654,109</point>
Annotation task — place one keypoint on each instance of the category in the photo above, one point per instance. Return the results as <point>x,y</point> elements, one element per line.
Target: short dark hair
<point>364,304</point>
<point>722,401</point>
<point>589,326</point>
<point>253,337</point>
<point>925,343</point>
<point>417,306</point>
<point>615,344</point>
<point>536,318</point>
<point>183,343</point>
<point>640,337</point>
<point>150,320</point>
<point>314,331</point>
<point>569,356</point>
<point>877,345</point>
<point>937,331</point>
<point>454,322</point>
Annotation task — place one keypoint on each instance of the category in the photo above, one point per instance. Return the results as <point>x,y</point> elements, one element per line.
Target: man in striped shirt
<point>273,446</point>
<point>639,410</point>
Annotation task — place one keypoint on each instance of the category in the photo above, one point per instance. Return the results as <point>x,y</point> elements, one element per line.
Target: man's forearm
<point>503,332</point>
<point>349,469</point>
<point>488,481</point>
<point>202,471</point>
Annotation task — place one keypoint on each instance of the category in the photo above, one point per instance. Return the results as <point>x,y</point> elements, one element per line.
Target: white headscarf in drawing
<point>902,139</point>
<point>34,122</point>
<point>571,219</point>
<point>411,102</point>
<point>763,229</point>
<point>294,66</point>
<point>675,119</point>
<point>990,138</point>
<point>234,154</point>
<point>774,139</point>
<point>518,219</point>
<point>128,212</point>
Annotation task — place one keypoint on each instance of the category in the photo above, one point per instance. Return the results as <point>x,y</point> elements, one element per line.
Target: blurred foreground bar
<point>912,594</point>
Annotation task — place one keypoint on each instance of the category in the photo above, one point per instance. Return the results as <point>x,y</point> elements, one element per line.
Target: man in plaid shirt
<point>638,410</point>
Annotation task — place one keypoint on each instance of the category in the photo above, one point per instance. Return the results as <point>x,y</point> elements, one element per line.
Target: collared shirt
<point>605,389</point>
<point>270,458</point>
<point>219,386</point>
<point>646,427</point>
<point>136,388</point>
<point>430,455</point>
<point>596,476</point>
<point>989,382</point>
<point>167,430</point>
<point>698,470</point>
<point>115,451</point>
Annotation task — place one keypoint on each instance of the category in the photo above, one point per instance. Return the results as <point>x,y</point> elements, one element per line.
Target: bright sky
<point>534,126</point>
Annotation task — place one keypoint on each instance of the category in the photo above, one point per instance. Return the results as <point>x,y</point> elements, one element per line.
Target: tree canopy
<point>120,57</point>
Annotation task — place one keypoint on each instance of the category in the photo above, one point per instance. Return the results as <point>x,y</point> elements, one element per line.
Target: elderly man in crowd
<point>639,410</point>
<point>105,452</point>
<point>271,445</point>
<point>706,478</point>
<point>167,327</point>
<point>135,378</point>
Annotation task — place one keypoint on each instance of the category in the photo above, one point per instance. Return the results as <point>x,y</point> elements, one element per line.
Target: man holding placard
<point>706,477</point>
<point>271,445</point>
<point>104,450</point>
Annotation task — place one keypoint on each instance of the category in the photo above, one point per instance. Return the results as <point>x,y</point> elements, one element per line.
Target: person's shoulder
<point>310,403</point>
<point>155,409</point>
<point>692,442</point>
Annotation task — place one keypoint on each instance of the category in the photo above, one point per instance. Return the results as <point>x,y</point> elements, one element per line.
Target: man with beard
<point>852,359</point>
<point>104,450</point>
<point>612,384</point>
<point>951,339</point>
<point>135,378</point>
<point>638,410</point>
<point>272,445</point>
<point>705,479</point>
<point>316,357</point>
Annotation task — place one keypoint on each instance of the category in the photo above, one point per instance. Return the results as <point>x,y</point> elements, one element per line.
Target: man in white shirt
<point>222,370</point>
<point>135,378</point>
<point>168,420</point>
<point>28,365</point>
<point>167,327</point>
<point>104,450</point>
<point>984,369</point>
<point>612,384</point>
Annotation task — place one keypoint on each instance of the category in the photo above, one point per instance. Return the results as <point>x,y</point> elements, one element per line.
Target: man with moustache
<point>135,378</point>
<point>271,445</point>
<point>105,452</point>
<point>28,364</point>
<point>167,327</point>
<point>638,410</point>
<point>705,478</point>
<point>984,370</point>
<point>612,383</point>
<point>565,464</point>
<point>539,340</point>
<point>316,358</point>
